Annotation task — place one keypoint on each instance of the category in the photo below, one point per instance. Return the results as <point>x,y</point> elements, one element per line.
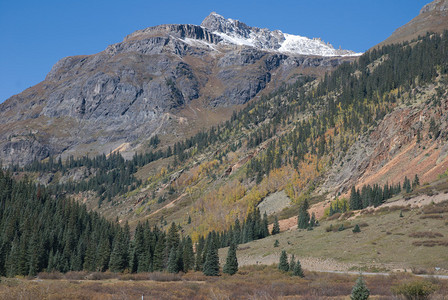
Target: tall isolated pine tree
<point>231,266</point>
<point>211,264</point>
<point>297,271</point>
<point>276,227</point>
<point>283,264</point>
<point>303,220</point>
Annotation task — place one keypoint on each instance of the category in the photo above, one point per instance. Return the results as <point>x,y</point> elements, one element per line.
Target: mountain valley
<point>185,138</point>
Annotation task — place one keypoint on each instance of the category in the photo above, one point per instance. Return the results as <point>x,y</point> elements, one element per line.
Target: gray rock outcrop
<point>93,103</point>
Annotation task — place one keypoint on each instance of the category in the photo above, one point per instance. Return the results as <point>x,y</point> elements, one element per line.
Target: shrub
<point>431,216</point>
<point>415,290</point>
<point>73,275</point>
<point>334,217</point>
<point>430,243</point>
<point>425,234</point>
<point>52,275</point>
<point>102,275</point>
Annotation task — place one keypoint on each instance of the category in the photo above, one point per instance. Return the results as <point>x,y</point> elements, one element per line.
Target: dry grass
<point>251,282</point>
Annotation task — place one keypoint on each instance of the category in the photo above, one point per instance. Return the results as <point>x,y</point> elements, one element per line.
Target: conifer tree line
<point>304,220</point>
<point>377,195</point>
<point>293,266</point>
<point>41,232</point>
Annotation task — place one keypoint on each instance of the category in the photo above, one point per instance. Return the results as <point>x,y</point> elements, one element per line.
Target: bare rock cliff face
<point>93,103</point>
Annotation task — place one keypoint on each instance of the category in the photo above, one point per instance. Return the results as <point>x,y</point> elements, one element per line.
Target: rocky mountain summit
<point>433,17</point>
<point>236,32</point>
<point>141,86</point>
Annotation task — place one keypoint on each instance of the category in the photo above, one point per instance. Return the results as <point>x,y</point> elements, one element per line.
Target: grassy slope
<point>384,245</point>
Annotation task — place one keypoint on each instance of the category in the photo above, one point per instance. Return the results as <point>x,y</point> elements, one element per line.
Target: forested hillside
<point>288,140</point>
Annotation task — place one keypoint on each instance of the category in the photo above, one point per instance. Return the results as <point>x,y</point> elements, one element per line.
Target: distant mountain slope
<point>168,79</point>
<point>433,17</point>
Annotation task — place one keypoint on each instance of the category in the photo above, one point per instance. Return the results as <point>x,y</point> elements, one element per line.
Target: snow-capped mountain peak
<point>238,33</point>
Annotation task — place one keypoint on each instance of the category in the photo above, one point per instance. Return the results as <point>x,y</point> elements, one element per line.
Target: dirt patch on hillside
<point>274,203</point>
<point>418,201</point>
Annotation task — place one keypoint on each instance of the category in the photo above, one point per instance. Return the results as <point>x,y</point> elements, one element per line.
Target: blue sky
<point>34,35</point>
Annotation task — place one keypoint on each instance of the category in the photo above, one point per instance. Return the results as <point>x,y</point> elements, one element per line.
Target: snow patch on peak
<point>303,45</point>
<point>237,33</point>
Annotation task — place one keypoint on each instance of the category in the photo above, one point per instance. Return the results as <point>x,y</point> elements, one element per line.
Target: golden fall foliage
<point>308,169</point>
<point>218,209</point>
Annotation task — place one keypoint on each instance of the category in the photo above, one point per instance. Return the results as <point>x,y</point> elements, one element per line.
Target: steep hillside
<point>375,121</point>
<point>433,17</point>
<point>169,80</point>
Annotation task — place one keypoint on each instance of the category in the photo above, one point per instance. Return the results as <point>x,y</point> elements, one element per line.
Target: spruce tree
<point>264,226</point>
<point>298,269</point>
<point>211,264</point>
<point>292,263</point>
<point>303,219</point>
<point>313,220</point>
<point>360,290</point>
<point>356,229</point>
<point>188,254</point>
<point>237,231</point>
<point>276,227</point>
<point>283,264</point>
<point>103,255</point>
<point>198,257</point>
<point>172,261</point>
<point>231,266</point>
<point>158,264</point>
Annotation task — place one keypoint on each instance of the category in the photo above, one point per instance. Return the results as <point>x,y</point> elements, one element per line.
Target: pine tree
<point>360,290</point>
<point>283,264</point>
<point>276,227</point>
<point>264,226</point>
<point>172,239</point>
<point>211,265</point>
<point>276,243</point>
<point>313,220</point>
<point>356,229</point>
<point>188,254</point>
<point>231,266</point>
<point>237,231</point>
<point>172,261</point>
<point>119,256</point>
<point>298,269</point>
<point>416,182</point>
<point>103,255</point>
<point>158,264</point>
<point>199,254</point>
<point>355,199</point>
<point>292,263</point>
<point>303,219</point>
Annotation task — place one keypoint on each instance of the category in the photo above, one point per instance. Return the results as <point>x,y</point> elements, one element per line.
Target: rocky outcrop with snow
<point>237,33</point>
